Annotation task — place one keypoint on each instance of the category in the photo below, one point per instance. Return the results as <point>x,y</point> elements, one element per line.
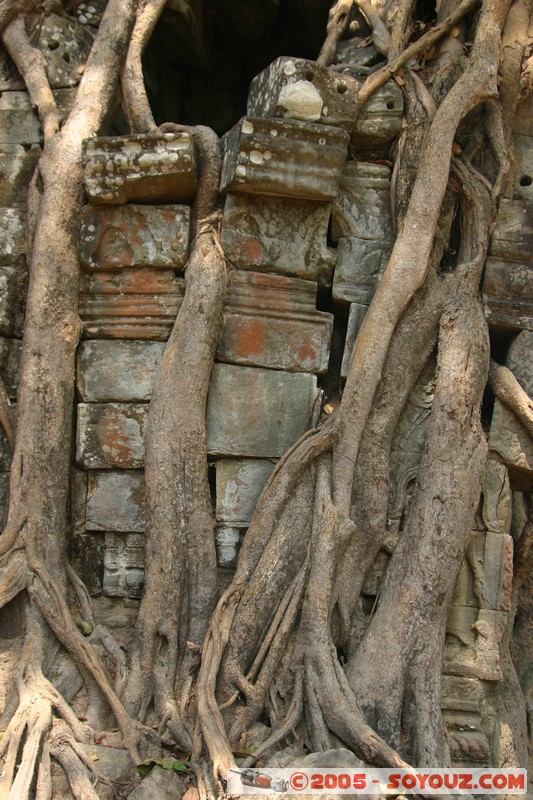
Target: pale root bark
<point>508,390</point>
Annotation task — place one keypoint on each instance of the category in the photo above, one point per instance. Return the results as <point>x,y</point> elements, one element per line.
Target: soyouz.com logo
<point>376,781</point>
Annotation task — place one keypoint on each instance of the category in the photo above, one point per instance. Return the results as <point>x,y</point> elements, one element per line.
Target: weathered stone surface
<point>355,319</point>
<point>520,360</point>
<point>160,784</point>
<point>130,304</point>
<point>362,207</point>
<point>11,235</point>
<point>16,169</point>
<point>144,168</point>
<point>19,123</point>
<point>239,482</point>
<point>135,236</point>
<point>472,749</point>
<point>486,574</point>
<point>380,119</point>
<point>460,693</point>
<point>513,445</point>
<point>508,295</point>
<point>496,505</point>
<point>257,412</point>
<point>87,558</point>
<point>296,88</point>
<point>523,154</point>
<point>227,542</point>
<point>111,435</point>
<point>65,46</point>
<point>278,234</point>
<point>360,265</point>
<point>115,501</point>
<point>270,321</point>
<point>523,118</point>
<point>4,488</point>
<point>124,565</point>
<point>283,157</point>
<point>5,452</point>
<point>117,370</point>
<point>13,282</point>
<point>333,759</point>
<point>10,350</point>
<point>473,642</point>
<point>512,239</point>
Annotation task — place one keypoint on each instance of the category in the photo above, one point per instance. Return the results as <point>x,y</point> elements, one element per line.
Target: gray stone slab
<point>257,412</point>
<point>508,294</point>
<point>520,360</point>
<point>379,121</point>
<point>65,45</point>
<point>523,155</point>
<point>130,304</point>
<point>362,207</point>
<point>135,236</point>
<point>115,501</point>
<point>512,239</point>
<point>297,88</point>
<point>460,693</point>
<point>283,157</point>
<point>12,244</point>
<point>144,168</point>
<point>360,265</point>
<point>111,435</point>
<point>19,123</point>
<point>160,784</point>
<point>117,370</point>
<point>278,234</point>
<point>239,482</point>
<point>17,166</point>
<point>10,353</point>
<point>124,565</point>
<point>87,558</point>
<point>13,289</point>
<point>272,321</point>
<point>227,542</point>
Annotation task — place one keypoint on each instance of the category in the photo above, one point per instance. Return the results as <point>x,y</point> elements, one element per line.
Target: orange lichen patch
<point>250,338</point>
<point>306,351</point>
<point>252,250</point>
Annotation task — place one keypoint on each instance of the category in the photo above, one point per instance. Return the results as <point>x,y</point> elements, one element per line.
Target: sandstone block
<point>239,482</point>
<point>257,412</point>
<point>489,585</point>
<point>512,239</point>
<point>283,157</point>
<point>513,445</point>
<point>227,543</point>
<point>115,501</point>
<point>17,166</point>
<point>460,693</point>
<point>88,560</point>
<point>144,168</point>
<point>508,295</point>
<point>10,352</point>
<point>523,155</point>
<point>19,123</point>
<point>380,120</point>
<point>360,265</point>
<point>124,565</point>
<point>362,206</point>
<point>130,304</point>
<point>278,234</point>
<point>135,236</point>
<point>270,321</point>
<point>117,370</point>
<point>65,46</point>
<point>473,642</point>
<point>12,244</point>
<point>296,88</point>
<point>13,287</point>
<point>111,435</point>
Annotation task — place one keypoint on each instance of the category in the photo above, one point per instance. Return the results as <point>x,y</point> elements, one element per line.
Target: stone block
<point>379,121</point>
<point>460,693</point>
<point>523,155</point>
<point>486,574</point>
<point>473,639</point>
<point>523,118</point>
<point>13,288</point>
<point>355,320</point>
<point>296,88</point>
<point>17,166</point>
<point>115,501</point>
<point>10,352</point>
<point>508,295</point>
<point>520,360</point>
<point>160,784</point>
<point>142,168</point>
<point>257,412</point>
<point>278,234</point>
<point>111,435</point>
<point>5,452</point>
<point>360,265</point>
<point>283,157</point>
<point>239,482</point>
<point>513,445</point>
<point>117,370</point>
<point>362,207</point>
<point>19,123</point>
<point>130,304</point>
<point>12,235</point>
<point>87,558</point>
<point>227,543</point>
<point>470,749</point>
<point>65,45</point>
<point>270,321</point>
<point>512,239</point>
<point>135,236</point>
<point>124,565</point>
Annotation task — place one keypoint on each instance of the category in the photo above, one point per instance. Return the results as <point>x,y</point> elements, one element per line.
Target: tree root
<point>508,390</point>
